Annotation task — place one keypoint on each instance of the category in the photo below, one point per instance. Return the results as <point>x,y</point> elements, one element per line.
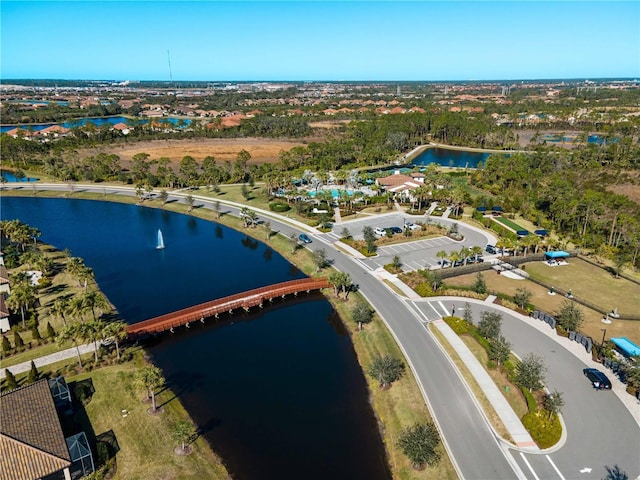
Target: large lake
<point>278,393</point>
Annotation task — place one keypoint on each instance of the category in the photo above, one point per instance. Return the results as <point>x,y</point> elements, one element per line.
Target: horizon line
<point>53,79</point>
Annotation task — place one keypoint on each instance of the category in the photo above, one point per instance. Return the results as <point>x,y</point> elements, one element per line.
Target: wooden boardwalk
<point>244,300</point>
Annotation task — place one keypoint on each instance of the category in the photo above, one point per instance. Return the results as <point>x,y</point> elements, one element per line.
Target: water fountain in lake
<point>160,240</point>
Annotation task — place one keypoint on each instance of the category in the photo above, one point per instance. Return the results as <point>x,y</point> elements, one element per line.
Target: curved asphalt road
<point>600,430</point>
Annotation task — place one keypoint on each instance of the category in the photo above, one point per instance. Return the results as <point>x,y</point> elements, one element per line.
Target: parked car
<point>598,379</point>
<point>304,238</point>
<point>491,249</point>
<point>443,263</point>
<point>395,230</point>
<point>413,226</point>
<point>379,232</point>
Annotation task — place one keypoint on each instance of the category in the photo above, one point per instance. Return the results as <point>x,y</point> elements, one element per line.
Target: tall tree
<point>116,330</point>
<point>10,380</point>
<point>183,432</point>
<point>490,324</point>
<point>553,403</point>
<point>150,377</point>
<point>569,316</point>
<point>386,370</point>
<point>499,350</point>
<point>530,372</point>
<point>369,238</point>
<point>71,333</point>
<point>420,443</point>
<point>362,314</point>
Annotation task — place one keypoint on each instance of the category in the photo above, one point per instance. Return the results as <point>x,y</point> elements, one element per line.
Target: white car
<point>379,232</point>
<point>413,226</point>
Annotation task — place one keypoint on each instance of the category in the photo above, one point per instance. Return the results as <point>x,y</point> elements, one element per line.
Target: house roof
<point>54,129</point>
<point>32,444</point>
<point>4,275</point>
<point>399,182</point>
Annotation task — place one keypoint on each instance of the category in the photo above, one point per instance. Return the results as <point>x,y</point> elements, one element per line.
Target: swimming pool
<point>335,193</point>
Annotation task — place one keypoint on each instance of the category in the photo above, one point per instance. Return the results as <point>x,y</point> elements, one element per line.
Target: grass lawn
<point>543,301</point>
<point>594,284</point>
<point>146,443</point>
<point>508,223</point>
<point>398,407</point>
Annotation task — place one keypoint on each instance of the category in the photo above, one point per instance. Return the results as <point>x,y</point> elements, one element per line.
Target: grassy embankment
<point>586,281</point>
<point>396,408</point>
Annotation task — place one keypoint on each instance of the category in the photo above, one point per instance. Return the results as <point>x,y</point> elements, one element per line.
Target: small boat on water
<point>160,245</point>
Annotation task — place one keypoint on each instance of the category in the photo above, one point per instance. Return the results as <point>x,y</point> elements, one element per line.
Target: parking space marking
<point>529,466</point>
<point>418,266</point>
<point>554,467</point>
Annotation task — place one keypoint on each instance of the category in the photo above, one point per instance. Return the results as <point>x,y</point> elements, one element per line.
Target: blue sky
<point>305,40</point>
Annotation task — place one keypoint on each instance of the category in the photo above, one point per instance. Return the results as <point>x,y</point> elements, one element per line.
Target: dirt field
<point>262,150</point>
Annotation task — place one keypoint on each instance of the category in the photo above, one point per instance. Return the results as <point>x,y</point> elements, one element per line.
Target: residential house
<point>32,443</point>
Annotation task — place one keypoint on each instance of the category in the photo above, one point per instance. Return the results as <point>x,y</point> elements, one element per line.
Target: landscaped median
<point>520,416</point>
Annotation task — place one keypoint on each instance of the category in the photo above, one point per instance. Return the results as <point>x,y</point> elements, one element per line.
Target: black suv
<point>598,379</point>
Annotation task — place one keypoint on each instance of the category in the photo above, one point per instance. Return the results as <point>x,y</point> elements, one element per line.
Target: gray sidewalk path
<point>512,423</point>
<point>382,274</point>
<point>48,359</point>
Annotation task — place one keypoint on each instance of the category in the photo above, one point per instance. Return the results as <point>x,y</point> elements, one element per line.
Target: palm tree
<point>93,300</point>
<point>22,297</point>
<point>92,331</point>
<point>465,253</point>
<point>454,257</point>
<point>476,251</point>
<point>70,333</point>
<point>150,378</point>
<point>76,308</point>
<point>118,331</point>
<point>59,308</point>
<point>442,255</point>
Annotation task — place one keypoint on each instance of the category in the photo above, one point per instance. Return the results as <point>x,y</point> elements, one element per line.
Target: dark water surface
<point>278,393</point>
<point>450,158</point>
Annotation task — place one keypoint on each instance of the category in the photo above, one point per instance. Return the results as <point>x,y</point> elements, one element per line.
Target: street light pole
<point>604,332</point>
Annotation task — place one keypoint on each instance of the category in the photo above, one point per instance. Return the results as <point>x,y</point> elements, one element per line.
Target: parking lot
<point>414,254</point>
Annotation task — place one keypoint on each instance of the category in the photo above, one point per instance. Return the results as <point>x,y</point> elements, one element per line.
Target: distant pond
<point>450,158</point>
<point>97,121</point>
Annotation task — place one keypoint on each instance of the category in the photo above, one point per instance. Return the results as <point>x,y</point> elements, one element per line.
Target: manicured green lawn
<point>508,223</point>
<point>594,284</point>
<point>146,443</point>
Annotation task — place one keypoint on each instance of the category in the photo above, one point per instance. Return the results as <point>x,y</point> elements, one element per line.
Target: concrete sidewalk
<point>512,423</point>
<point>48,359</point>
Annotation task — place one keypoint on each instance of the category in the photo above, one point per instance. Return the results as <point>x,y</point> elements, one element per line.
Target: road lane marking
<point>444,308</point>
<point>418,311</point>
<point>434,309</point>
<point>554,467</point>
<point>529,466</point>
